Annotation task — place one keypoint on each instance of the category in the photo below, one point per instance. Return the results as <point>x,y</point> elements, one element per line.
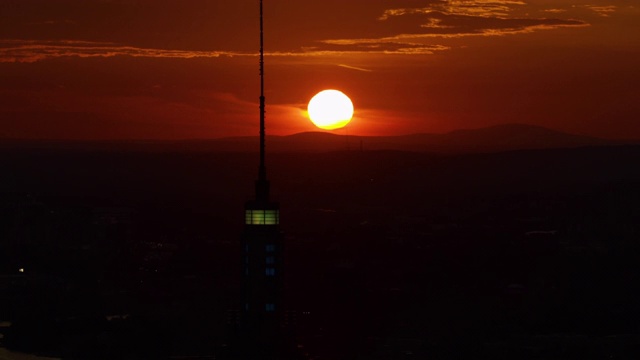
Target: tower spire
<point>262,185</point>
<point>262,242</point>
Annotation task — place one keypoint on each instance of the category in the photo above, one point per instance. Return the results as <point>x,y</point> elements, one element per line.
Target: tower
<point>262,253</point>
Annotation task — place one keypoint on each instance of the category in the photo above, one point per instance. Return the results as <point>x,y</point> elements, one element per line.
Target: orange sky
<point>172,69</point>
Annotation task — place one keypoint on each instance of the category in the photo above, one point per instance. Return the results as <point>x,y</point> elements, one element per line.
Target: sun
<point>330,109</point>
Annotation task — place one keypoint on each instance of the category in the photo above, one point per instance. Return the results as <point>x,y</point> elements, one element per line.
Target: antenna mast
<point>262,185</point>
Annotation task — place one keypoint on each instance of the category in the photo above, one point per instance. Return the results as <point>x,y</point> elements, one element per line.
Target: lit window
<point>262,217</point>
<point>270,248</point>
<point>270,271</point>
<point>270,307</point>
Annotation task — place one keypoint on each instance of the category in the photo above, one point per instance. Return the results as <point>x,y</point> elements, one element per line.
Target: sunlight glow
<point>330,109</point>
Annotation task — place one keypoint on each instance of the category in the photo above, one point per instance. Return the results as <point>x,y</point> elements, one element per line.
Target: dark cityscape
<point>516,254</point>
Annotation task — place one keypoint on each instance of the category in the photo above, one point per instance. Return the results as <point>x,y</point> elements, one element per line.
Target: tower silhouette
<point>262,282</point>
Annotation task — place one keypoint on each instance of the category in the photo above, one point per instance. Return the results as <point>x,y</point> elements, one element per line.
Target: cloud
<point>471,17</point>
<point>354,68</point>
<point>604,11</point>
<point>420,30</point>
<point>32,50</point>
<point>555,11</point>
<point>485,8</point>
<point>391,45</point>
<point>412,30</point>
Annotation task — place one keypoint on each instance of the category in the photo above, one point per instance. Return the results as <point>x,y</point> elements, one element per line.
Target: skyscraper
<point>262,253</point>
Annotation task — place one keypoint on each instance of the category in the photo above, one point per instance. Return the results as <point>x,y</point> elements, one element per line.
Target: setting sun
<point>330,109</point>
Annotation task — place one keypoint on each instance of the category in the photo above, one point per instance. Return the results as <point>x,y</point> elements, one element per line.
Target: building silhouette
<point>261,313</point>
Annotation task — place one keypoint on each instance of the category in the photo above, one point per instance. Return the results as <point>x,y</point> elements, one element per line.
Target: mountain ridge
<point>495,138</point>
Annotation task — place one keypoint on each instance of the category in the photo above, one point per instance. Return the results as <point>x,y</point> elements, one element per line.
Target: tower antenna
<point>262,241</point>
<point>262,185</point>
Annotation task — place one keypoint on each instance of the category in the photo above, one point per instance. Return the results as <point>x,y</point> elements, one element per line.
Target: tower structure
<point>262,252</point>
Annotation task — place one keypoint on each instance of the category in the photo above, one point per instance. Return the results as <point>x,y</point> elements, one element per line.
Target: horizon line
<point>318,131</point>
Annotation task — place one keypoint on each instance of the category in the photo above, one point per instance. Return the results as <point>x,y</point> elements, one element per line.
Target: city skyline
<point>95,70</point>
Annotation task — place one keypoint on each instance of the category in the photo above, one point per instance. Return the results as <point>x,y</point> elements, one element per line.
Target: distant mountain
<point>490,139</point>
